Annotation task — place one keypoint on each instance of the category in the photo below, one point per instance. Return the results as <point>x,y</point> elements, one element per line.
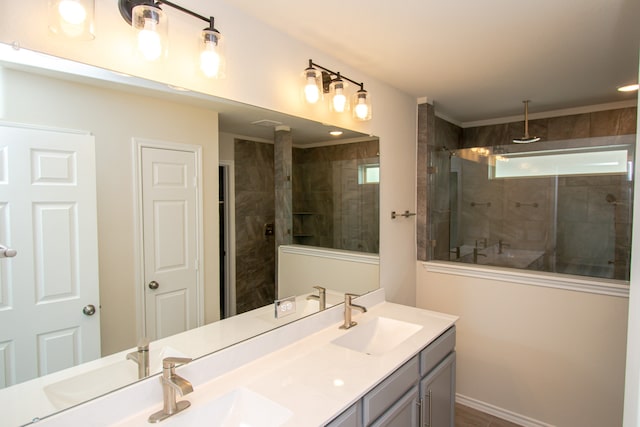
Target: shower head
<point>526,139</point>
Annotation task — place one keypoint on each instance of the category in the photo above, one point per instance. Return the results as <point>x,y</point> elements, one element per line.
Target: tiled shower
<point>573,224</point>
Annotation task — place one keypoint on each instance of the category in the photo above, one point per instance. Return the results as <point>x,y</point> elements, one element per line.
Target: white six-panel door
<point>48,214</point>
<point>170,240</point>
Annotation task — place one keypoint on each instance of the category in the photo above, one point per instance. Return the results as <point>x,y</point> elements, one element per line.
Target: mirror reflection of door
<point>49,308</point>
<point>170,212</point>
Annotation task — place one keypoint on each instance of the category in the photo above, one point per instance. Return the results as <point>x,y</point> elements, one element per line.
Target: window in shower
<point>560,206</point>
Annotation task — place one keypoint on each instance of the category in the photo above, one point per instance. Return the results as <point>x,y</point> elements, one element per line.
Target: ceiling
<point>475,60</point>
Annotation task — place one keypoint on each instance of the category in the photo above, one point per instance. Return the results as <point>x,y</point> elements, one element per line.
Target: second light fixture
<point>150,24</point>
<point>319,80</point>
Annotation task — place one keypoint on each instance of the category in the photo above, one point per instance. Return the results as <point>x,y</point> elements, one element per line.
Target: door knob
<point>154,285</point>
<point>6,252</point>
<point>89,310</point>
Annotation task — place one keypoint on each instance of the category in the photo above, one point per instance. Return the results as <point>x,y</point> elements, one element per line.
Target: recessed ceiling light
<point>335,133</point>
<point>628,88</point>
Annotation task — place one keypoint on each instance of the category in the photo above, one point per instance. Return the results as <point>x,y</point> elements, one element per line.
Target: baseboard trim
<point>499,412</point>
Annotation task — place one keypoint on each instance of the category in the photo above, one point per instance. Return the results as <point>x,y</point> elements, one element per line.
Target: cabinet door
<point>404,413</point>
<point>351,417</point>
<point>437,394</point>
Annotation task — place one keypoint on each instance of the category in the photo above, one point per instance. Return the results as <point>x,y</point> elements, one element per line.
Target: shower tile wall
<point>330,208</point>
<point>255,207</point>
<point>592,236</point>
<point>591,232</point>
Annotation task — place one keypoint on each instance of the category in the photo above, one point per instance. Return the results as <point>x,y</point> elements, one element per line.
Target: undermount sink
<point>377,336</point>
<point>93,383</point>
<point>238,408</point>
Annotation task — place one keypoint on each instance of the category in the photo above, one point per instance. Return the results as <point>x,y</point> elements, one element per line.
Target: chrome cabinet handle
<point>154,285</point>
<point>89,310</point>
<point>430,411</point>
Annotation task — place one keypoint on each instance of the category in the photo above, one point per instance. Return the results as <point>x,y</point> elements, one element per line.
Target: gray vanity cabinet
<point>437,394</point>
<point>419,393</point>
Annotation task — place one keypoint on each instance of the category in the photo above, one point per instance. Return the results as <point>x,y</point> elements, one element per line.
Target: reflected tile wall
<point>255,207</point>
<point>330,208</point>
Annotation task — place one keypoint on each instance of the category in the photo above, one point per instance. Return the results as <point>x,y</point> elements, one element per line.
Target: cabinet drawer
<point>437,350</point>
<point>385,394</point>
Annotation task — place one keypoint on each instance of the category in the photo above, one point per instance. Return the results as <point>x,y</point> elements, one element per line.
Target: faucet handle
<point>171,362</point>
<point>320,289</point>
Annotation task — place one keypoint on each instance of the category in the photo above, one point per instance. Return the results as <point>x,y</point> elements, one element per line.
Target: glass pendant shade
<point>339,102</point>
<point>212,59</point>
<point>72,18</point>
<point>150,23</point>
<point>312,85</point>
<point>361,101</point>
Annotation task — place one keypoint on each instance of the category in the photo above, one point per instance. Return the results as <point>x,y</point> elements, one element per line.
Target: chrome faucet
<point>476,255</point>
<point>348,306</point>
<point>172,384</point>
<point>484,242</point>
<point>141,357</point>
<point>321,297</point>
<point>456,251</point>
<point>501,245</point>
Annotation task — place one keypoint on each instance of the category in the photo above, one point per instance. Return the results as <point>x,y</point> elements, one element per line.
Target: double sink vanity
<point>396,366</point>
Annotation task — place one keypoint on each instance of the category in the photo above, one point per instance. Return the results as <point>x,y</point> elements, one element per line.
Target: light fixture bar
<point>334,73</point>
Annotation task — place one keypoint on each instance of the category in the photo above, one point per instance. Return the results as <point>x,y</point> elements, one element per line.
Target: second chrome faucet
<point>348,307</point>
<point>172,384</point>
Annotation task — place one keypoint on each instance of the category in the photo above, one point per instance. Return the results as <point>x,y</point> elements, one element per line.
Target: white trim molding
<point>567,282</point>
<point>338,254</point>
<point>499,412</point>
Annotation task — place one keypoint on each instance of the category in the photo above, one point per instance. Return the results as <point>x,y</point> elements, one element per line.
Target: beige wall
<point>552,355</point>
<point>300,270</point>
<point>114,118</point>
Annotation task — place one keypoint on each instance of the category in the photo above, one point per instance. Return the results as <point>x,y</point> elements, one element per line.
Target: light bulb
<point>339,100</point>
<point>149,41</point>
<point>361,104</point>
<point>72,12</point>
<point>311,91</point>
<point>362,111</point>
<point>210,60</point>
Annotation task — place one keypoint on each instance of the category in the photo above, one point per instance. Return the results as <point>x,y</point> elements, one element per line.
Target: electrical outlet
<point>285,307</point>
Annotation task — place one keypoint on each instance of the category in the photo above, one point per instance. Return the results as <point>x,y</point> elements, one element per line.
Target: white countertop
<point>299,369</point>
<point>193,343</point>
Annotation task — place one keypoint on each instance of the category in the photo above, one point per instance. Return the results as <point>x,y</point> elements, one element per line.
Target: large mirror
<point>231,146</point>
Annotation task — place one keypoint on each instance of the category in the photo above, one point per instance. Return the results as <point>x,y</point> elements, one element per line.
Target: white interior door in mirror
<point>170,212</point>
<point>49,295</point>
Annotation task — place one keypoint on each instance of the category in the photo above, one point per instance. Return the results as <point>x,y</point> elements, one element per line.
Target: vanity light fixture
<point>72,18</point>
<point>318,80</point>
<point>150,23</point>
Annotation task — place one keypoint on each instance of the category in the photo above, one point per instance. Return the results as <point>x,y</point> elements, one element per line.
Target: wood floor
<point>467,417</point>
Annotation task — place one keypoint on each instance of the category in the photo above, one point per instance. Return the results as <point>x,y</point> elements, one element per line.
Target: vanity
<point>395,367</point>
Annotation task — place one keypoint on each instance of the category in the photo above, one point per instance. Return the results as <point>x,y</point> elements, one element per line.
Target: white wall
<point>263,69</point>
<point>302,268</point>
<point>551,355</point>
<point>632,384</point>
<point>115,117</point>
